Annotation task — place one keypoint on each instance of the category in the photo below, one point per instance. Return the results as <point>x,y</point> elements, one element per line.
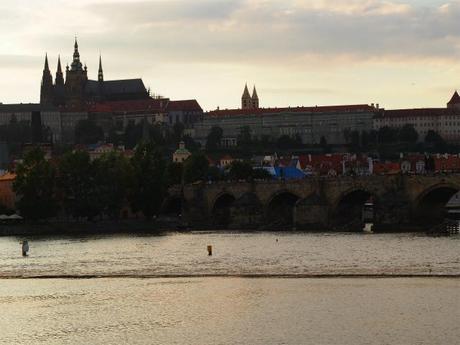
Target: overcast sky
<point>399,53</point>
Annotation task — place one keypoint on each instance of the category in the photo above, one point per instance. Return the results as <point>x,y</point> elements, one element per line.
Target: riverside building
<point>308,123</point>
<point>444,121</point>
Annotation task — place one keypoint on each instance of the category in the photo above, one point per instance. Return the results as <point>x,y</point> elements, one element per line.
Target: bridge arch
<point>429,206</point>
<point>221,210</point>
<point>347,208</point>
<point>280,209</point>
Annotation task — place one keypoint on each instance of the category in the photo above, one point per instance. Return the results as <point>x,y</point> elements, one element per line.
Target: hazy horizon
<point>400,54</point>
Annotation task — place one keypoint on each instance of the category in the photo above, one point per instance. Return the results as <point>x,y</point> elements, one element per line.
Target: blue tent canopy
<point>288,173</point>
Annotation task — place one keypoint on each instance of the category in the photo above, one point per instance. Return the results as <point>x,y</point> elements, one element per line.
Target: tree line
<point>78,187</point>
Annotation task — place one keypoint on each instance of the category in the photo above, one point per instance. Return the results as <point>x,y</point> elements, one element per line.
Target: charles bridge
<point>400,202</point>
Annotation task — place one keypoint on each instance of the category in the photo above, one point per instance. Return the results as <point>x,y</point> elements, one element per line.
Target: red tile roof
<point>321,109</point>
<point>150,104</point>
<point>185,105</point>
<point>418,112</point>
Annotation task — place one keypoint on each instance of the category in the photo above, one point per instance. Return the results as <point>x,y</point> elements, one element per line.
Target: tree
<point>284,142</point>
<point>432,137</point>
<point>191,144</point>
<point>174,173</point>
<point>214,174</point>
<point>133,135</point>
<point>435,142</point>
<point>76,185</point>
<point>239,170</point>
<point>178,131</point>
<point>35,186</point>
<point>87,132</point>
<point>261,174</point>
<point>114,180</point>
<point>408,134</point>
<point>196,168</point>
<point>150,182</point>
<point>245,138</point>
<point>388,135</point>
<point>214,137</point>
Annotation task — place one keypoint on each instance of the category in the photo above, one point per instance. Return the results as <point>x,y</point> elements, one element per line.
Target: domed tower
<point>255,99</point>
<point>47,88</point>
<point>246,100</point>
<point>76,78</point>
<point>454,102</point>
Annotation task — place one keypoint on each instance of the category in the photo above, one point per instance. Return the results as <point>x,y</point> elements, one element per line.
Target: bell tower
<point>255,99</point>
<point>246,100</point>
<point>76,78</point>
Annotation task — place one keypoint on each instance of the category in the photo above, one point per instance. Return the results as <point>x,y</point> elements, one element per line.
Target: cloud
<point>265,31</point>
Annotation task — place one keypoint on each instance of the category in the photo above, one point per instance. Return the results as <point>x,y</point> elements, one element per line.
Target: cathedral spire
<point>46,90</point>
<point>46,68</point>
<point>59,76</point>
<point>100,73</point>
<point>76,64</point>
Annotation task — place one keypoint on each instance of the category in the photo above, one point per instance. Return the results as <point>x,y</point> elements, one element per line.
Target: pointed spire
<point>246,101</point>
<point>254,93</point>
<point>46,90</point>
<point>76,64</point>
<point>59,68</point>
<point>246,91</point>
<point>100,73</point>
<point>59,75</point>
<point>255,99</point>
<point>46,68</point>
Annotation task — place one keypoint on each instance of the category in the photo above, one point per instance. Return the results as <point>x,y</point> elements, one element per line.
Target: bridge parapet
<point>395,196</point>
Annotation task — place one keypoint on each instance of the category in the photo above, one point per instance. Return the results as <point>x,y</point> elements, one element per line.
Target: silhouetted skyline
<point>298,52</point>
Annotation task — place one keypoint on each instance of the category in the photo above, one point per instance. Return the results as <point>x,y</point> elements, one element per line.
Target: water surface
<point>234,254</point>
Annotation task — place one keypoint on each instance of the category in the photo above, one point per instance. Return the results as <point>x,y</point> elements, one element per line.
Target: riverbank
<point>82,228</point>
<point>163,225</point>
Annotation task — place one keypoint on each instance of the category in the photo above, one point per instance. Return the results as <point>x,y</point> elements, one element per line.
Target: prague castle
<point>77,91</point>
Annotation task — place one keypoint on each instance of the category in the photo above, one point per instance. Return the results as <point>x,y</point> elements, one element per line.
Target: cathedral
<point>77,91</point>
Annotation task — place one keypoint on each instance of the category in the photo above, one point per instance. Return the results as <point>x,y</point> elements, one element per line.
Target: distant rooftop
<point>317,109</point>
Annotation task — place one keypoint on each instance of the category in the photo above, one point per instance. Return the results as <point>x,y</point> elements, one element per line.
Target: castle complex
<point>77,91</point>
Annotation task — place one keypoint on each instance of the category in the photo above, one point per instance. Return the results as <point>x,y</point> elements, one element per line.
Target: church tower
<point>100,73</point>
<point>46,89</point>
<point>255,99</point>
<point>246,100</point>
<point>76,78</point>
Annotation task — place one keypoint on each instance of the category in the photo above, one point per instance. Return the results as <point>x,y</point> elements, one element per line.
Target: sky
<point>398,53</point>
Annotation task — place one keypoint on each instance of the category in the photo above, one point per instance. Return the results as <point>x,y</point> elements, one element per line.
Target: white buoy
<point>368,228</point>
<point>25,248</point>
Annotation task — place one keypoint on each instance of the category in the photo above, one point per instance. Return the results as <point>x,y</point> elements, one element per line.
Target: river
<point>257,288</point>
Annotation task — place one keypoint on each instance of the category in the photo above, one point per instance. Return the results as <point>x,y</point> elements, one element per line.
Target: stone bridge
<point>400,202</point>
